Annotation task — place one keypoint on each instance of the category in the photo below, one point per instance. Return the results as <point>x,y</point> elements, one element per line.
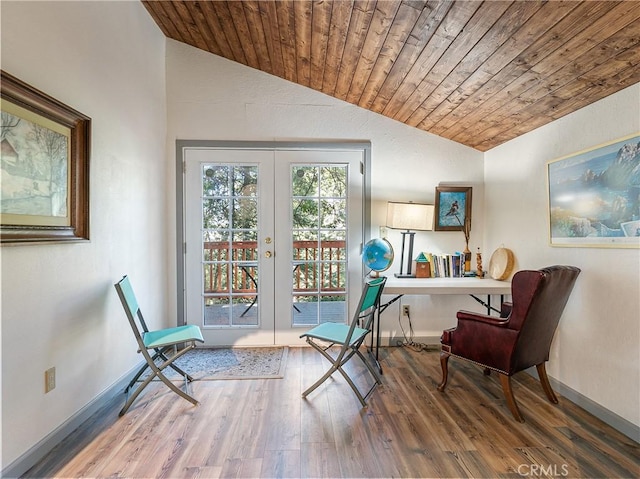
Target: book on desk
<point>446,265</point>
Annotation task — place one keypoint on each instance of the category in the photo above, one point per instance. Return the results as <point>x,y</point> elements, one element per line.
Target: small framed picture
<point>453,208</point>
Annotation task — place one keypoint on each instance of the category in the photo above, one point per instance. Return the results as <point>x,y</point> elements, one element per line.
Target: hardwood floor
<point>263,428</point>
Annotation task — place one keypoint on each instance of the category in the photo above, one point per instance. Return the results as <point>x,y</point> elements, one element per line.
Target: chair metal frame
<point>159,342</point>
<point>349,337</point>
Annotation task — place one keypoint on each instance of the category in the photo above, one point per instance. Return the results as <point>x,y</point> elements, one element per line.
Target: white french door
<point>273,241</point>
<point>228,218</point>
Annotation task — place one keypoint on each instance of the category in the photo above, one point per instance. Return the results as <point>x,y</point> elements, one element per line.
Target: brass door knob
<point>268,254</point>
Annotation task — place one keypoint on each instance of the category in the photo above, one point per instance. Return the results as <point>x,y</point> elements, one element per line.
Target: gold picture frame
<point>44,167</point>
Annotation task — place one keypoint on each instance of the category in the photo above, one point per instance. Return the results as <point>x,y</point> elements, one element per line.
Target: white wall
<point>211,98</point>
<point>596,348</point>
<point>59,307</point>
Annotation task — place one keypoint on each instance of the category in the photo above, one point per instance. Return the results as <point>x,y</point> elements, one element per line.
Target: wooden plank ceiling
<point>478,73</point>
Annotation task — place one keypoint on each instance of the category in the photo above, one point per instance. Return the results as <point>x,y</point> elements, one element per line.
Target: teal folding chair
<point>159,342</point>
<point>349,338</point>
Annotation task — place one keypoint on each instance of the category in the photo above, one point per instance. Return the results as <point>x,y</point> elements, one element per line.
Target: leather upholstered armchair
<point>521,337</point>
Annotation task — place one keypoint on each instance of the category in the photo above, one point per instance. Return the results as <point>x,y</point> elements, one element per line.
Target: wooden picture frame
<point>453,208</point>
<point>44,167</point>
<point>593,198</point>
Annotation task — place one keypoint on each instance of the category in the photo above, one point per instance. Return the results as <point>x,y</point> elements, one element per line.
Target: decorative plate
<point>501,264</point>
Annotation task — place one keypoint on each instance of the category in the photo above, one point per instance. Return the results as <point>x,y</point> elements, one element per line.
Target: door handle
<point>268,254</point>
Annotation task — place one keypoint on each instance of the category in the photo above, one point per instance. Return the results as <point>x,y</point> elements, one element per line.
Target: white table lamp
<point>410,217</point>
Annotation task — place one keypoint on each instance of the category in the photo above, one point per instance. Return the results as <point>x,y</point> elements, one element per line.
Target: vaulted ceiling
<point>478,73</point>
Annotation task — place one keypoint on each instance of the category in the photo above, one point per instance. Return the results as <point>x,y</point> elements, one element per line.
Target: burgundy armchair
<point>521,337</point>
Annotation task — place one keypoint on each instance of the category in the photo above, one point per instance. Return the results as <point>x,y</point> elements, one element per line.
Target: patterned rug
<point>205,364</point>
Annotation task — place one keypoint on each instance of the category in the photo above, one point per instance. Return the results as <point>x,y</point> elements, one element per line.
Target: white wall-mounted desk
<point>480,286</point>
<point>474,287</point>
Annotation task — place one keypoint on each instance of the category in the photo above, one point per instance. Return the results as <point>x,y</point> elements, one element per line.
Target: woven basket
<point>501,264</point>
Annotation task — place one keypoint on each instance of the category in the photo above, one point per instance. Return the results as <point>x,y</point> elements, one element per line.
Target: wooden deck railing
<point>328,274</point>
<point>235,266</point>
<point>224,272</point>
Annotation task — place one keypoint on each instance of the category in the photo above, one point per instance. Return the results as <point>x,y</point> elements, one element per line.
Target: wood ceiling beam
<point>253,17</point>
<point>319,41</point>
<point>249,36</point>
<point>303,18</point>
<point>213,23</point>
<point>381,22</point>
<point>270,26</point>
<point>407,14</point>
<point>361,16</point>
<point>286,29</point>
<point>426,25</point>
<point>340,21</point>
<point>445,34</point>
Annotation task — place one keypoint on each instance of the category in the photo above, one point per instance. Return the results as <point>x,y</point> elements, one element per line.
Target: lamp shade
<point>410,216</point>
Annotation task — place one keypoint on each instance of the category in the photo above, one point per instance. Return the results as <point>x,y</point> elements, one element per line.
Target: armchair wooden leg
<point>544,380</point>
<point>444,363</point>
<point>511,400</point>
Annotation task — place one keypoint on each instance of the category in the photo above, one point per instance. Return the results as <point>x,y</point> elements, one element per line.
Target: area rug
<point>211,364</point>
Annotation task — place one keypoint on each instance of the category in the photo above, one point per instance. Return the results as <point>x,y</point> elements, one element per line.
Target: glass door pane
<point>319,214</point>
<point>230,232</point>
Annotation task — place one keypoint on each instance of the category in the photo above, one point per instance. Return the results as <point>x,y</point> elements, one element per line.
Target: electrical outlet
<point>49,380</point>
<point>405,310</point>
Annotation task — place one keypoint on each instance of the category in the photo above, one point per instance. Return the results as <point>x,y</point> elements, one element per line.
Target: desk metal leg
<point>375,342</point>
<point>487,304</point>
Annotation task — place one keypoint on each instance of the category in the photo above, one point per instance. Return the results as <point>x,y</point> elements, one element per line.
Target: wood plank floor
<point>263,428</point>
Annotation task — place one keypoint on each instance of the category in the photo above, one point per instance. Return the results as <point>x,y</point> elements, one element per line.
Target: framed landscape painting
<point>453,208</point>
<point>594,196</point>
<point>44,167</point>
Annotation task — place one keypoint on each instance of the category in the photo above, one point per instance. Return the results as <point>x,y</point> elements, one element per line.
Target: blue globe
<point>377,254</point>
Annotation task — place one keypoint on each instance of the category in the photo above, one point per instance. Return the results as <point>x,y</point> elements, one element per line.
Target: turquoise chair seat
<point>172,336</point>
<point>337,333</point>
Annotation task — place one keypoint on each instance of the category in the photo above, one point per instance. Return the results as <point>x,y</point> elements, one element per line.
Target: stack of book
<point>447,265</point>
